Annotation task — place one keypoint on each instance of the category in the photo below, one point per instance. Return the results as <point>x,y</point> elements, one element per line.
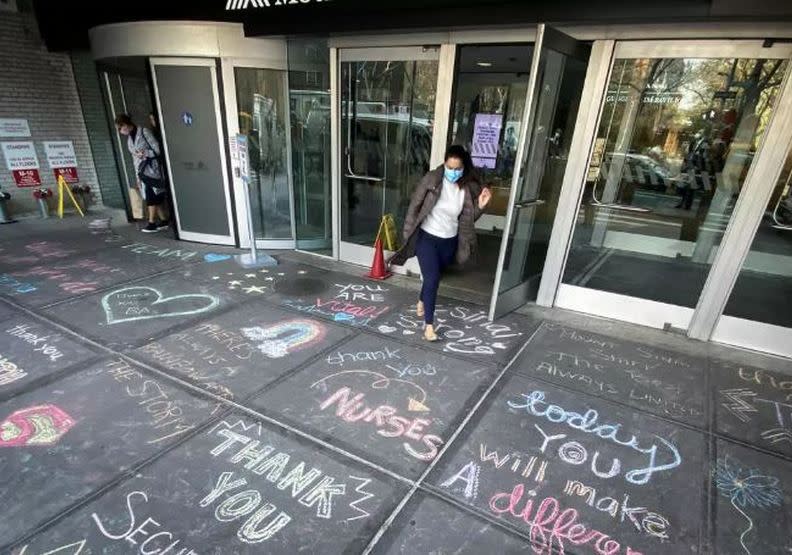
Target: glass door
<point>755,316</point>
<point>310,120</point>
<point>257,104</point>
<point>557,73</point>
<point>679,128</point>
<point>387,113</point>
<point>188,104</point>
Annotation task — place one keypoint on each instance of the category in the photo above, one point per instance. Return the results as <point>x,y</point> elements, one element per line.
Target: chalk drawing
<point>738,402</point>
<point>746,488</point>
<point>39,425</point>
<point>279,340</point>
<point>80,545</point>
<point>383,382</point>
<point>146,303</point>
<point>213,257</point>
<point>777,435</point>
<point>364,496</point>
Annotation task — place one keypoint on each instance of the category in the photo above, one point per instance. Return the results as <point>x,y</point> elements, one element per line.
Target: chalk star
<point>302,272</point>
<point>215,277</point>
<point>269,278</point>
<point>234,282</point>
<point>250,275</point>
<point>264,271</point>
<point>253,289</point>
<point>281,274</point>
<point>230,273</point>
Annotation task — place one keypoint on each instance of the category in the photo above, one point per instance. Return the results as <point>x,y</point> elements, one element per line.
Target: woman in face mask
<point>439,226</point>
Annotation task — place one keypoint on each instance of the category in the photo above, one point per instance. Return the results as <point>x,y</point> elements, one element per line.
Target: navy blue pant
<point>434,254</point>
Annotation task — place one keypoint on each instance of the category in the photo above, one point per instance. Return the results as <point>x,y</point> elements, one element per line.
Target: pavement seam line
<point>417,484</point>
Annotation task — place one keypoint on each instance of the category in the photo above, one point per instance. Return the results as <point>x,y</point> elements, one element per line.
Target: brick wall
<point>39,86</point>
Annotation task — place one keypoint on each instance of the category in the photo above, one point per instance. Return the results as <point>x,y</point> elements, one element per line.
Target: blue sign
<point>187,119</point>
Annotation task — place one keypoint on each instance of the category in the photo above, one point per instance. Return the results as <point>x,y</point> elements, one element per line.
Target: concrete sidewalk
<point>158,398</point>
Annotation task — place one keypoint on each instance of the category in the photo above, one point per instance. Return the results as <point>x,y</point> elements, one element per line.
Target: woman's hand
<point>484,197</point>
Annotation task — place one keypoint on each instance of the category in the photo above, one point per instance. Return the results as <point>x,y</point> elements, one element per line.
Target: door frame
<point>227,65</point>
<point>445,54</point>
<point>698,322</point>
<point>211,63</point>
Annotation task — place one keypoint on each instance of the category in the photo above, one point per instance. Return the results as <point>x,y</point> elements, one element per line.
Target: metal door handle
<point>364,177</point>
<point>622,207</point>
<point>527,203</point>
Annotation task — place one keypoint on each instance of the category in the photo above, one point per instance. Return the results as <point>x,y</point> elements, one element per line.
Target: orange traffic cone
<point>378,269</point>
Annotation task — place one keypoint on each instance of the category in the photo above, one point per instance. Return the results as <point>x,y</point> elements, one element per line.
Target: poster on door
<point>486,137</point>
<point>62,160</point>
<point>22,162</point>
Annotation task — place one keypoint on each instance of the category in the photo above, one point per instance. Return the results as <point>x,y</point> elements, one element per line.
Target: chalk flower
<point>746,488</point>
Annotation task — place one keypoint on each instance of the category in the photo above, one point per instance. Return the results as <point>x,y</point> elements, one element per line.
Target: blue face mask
<point>453,175</point>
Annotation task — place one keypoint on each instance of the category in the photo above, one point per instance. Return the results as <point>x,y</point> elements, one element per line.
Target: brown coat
<point>423,200</point>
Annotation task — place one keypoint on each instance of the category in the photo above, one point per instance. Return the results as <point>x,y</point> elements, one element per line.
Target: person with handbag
<point>145,150</point>
<point>439,227</point>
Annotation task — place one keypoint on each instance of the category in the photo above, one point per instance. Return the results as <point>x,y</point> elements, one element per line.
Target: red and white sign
<point>69,174</point>
<point>27,178</point>
<point>22,162</point>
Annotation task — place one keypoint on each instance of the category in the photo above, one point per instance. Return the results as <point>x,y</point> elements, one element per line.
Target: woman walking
<point>439,226</point>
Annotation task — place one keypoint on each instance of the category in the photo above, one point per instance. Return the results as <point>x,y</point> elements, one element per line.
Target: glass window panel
<point>309,105</point>
<point>262,117</point>
<point>764,286</point>
<point>387,110</point>
<point>675,142</point>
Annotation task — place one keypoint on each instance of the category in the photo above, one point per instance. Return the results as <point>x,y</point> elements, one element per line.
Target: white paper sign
<point>242,152</point>
<point>20,156</point>
<point>14,127</point>
<point>60,154</point>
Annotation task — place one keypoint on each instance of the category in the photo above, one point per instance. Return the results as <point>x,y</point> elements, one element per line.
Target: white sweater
<point>443,220</point>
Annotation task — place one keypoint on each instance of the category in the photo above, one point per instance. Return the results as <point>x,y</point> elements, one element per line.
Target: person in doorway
<point>439,226</point>
<point>145,150</point>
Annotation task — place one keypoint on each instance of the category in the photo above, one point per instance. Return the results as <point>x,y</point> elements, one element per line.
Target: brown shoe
<point>429,333</point>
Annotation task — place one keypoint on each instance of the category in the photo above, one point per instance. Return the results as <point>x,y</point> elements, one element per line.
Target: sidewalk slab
<point>132,314</point>
<point>538,452</point>
<point>382,400</point>
<point>71,437</point>
<point>226,275</point>
<point>48,283</point>
<point>7,311</point>
<point>753,405</point>
<point>340,297</point>
<point>31,351</point>
<point>238,353</point>
<point>753,501</point>
<point>431,525</point>
<point>240,487</point>
<point>462,328</point>
<point>661,382</point>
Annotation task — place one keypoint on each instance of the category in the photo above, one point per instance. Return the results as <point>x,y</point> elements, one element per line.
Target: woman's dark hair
<point>459,152</point>
<point>123,119</point>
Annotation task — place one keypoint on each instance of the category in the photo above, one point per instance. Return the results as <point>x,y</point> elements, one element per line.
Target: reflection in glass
<point>675,142</point>
<point>489,100</point>
<point>386,135</point>
<point>262,117</point>
<point>309,105</point>
<point>764,286</point>
<point>557,97</point>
